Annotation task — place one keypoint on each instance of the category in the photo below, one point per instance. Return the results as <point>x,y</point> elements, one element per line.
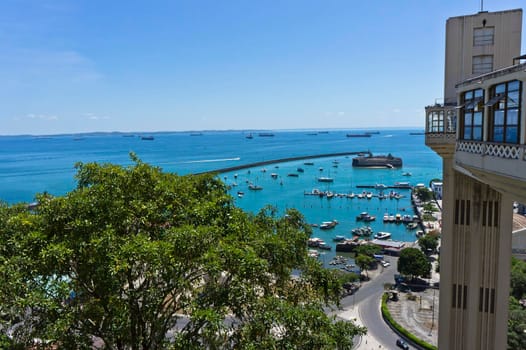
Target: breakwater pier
<point>281,160</point>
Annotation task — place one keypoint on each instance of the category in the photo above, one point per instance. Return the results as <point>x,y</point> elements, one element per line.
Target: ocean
<point>33,164</point>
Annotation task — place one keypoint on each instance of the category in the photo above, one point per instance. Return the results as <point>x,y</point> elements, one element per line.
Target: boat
<point>407,174</point>
<point>338,238</point>
<point>364,216</point>
<point>380,186</point>
<point>274,175</point>
<point>373,132</point>
<point>412,225</point>
<point>402,185</point>
<point>324,246</point>
<point>240,194</point>
<point>350,195</point>
<point>329,194</point>
<point>300,170</point>
<point>382,235</point>
<point>308,163</point>
<point>369,195</point>
<point>325,179</point>
<point>147,138</point>
<point>196,134</point>
<point>254,187</point>
<point>398,218</point>
<point>327,225</point>
<point>293,175</point>
<point>358,135</point>
<point>362,231</point>
<point>313,253</point>
<point>386,217</point>
<point>407,219</point>
<point>265,134</point>
<point>314,241</point>
<point>249,136</point>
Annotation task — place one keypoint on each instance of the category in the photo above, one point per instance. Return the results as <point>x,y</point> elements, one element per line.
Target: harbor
<point>354,207</point>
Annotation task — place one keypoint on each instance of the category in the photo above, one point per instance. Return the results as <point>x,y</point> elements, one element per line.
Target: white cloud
<point>41,117</point>
<point>92,116</point>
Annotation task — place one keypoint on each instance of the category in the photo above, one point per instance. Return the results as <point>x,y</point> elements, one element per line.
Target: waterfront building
<point>436,187</point>
<point>484,172</point>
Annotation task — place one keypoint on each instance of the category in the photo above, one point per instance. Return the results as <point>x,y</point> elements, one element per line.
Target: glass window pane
<point>467,133</point>
<point>467,119</point>
<point>477,119</point>
<point>498,134</point>
<point>512,117</point>
<point>513,99</point>
<point>513,85</point>
<point>498,118</point>
<point>477,133</point>
<point>511,135</point>
<point>478,93</point>
<point>499,89</point>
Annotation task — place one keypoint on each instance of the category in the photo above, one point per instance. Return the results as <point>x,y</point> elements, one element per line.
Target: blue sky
<point>79,66</point>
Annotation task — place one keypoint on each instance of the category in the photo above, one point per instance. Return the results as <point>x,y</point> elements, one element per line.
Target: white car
<point>385,263</point>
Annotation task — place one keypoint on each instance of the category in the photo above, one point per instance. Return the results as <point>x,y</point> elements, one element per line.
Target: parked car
<point>402,344</point>
<point>385,263</point>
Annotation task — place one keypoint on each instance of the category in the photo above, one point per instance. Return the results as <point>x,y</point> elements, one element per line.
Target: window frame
<point>481,38</point>
<point>505,113</point>
<point>482,67</point>
<point>472,109</point>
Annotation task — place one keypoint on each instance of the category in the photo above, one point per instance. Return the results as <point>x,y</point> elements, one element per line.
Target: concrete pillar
<point>474,264</point>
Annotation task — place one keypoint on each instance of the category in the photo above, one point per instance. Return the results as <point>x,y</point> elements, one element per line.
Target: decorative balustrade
<point>500,150</point>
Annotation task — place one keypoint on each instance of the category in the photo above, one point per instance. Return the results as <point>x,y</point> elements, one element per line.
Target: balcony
<point>441,129</point>
<point>501,165</point>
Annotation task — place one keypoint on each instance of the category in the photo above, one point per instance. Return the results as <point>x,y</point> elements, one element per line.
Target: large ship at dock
<point>387,161</point>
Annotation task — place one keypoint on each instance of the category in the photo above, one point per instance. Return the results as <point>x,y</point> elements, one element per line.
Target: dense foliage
<point>365,256</point>
<point>517,316</point>
<point>428,243</point>
<point>413,262</point>
<point>424,194</point>
<point>135,258</point>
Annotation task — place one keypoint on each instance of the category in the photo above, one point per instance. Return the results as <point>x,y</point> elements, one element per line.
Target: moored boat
<point>382,235</point>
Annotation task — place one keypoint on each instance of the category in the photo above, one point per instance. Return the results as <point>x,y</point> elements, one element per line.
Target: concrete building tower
<point>480,133</point>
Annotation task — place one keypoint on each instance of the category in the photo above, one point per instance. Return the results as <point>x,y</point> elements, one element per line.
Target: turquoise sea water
<point>30,164</point>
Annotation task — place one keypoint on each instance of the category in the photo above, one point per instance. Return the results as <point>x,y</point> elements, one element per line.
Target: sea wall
<point>274,161</point>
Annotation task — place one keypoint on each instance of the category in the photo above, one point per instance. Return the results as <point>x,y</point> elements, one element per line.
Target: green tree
<point>518,278</point>
<point>367,249</point>
<point>428,243</point>
<point>364,262</point>
<point>424,194</point>
<point>413,262</point>
<point>132,251</point>
<point>516,325</point>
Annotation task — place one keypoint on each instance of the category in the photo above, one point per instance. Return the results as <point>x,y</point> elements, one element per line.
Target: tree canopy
<point>135,258</point>
<point>413,262</point>
<point>428,243</point>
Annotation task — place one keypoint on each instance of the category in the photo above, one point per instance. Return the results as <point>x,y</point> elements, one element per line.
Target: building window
<point>472,115</point>
<point>483,36</point>
<point>482,64</point>
<point>436,122</point>
<point>505,110</point>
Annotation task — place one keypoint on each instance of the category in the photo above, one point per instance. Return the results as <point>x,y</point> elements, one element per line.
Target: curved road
<point>367,300</point>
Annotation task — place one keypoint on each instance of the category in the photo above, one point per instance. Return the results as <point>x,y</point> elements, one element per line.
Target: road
<point>367,301</point>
